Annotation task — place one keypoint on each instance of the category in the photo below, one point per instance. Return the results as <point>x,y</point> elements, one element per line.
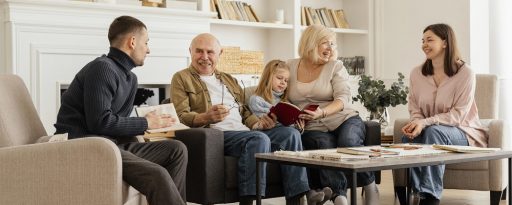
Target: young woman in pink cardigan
<point>442,107</point>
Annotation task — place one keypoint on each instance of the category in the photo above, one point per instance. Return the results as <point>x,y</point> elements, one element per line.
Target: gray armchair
<point>66,172</point>
<point>212,177</point>
<point>482,175</point>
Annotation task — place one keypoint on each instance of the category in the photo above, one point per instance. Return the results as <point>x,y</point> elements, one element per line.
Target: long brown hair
<point>264,88</point>
<point>451,54</point>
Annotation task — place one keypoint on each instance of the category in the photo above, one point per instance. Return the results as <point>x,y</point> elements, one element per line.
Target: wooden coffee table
<point>376,164</point>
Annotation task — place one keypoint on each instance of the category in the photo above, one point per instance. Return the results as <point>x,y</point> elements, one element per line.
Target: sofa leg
<point>400,193</point>
<point>495,197</point>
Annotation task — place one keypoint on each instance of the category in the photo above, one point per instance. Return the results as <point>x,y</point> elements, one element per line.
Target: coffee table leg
<point>258,195</point>
<point>353,192</point>
<point>408,186</point>
<point>509,187</point>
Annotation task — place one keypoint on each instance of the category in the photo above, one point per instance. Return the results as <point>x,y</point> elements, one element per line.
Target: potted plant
<point>376,98</point>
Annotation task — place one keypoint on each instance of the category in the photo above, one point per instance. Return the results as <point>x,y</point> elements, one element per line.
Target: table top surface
<point>378,163</point>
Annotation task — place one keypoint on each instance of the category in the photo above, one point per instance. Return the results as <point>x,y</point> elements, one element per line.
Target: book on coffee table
<point>465,149</point>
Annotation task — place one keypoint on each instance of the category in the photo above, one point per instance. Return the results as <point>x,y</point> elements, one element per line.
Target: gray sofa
<point>212,177</point>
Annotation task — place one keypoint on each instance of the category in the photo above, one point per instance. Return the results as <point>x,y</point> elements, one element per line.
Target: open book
<point>162,109</point>
<point>464,149</point>
<point>288,113</point>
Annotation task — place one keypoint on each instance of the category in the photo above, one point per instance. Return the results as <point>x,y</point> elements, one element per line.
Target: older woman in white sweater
<point>317,77</point>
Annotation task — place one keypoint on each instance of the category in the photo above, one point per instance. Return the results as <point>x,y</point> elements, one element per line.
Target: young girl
<point>272,89</point>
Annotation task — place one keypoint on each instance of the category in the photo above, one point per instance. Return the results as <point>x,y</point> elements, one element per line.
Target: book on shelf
<point>465,149</point>
<point>234,10</point>
<point>324,16</point>
<point>309,18</point>
<point>333,18</point>
<point>159,110</point>
<point>287,113</point>
<point>343,18</point>
<point>212,7</point>
<point>249,13</point>
<point>241,9</point>
<point>254,14</point>
<point>326,20</point>
<point>316,18</point>
<point>303,16</point>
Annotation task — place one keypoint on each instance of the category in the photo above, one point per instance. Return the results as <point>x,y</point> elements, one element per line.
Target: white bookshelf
<point>262,25</point>
<point>281,40</point>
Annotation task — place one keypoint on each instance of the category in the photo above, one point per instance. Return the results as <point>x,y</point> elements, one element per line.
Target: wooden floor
<point>450,196</point>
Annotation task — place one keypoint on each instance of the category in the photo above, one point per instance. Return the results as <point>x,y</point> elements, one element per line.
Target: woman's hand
<point>300,124</point>
<point>312,115</point>
<point>414,128</point>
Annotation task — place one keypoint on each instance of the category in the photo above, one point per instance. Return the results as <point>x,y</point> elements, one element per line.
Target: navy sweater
<point>100,99</point>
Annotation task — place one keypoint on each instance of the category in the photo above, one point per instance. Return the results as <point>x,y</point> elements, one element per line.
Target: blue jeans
<point>429,179</point>
<point>350,133</point>
<point>244,144</point>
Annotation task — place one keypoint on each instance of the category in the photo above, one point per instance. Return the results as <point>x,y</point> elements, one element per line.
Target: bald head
<point>205,51</point>
<point>205,38</point>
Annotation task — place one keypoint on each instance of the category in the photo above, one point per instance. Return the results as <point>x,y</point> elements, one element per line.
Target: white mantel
<point>48,42</point>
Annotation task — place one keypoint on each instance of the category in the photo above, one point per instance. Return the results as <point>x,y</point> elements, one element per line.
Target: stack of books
<point>233,10</point>
<point>328,17</point>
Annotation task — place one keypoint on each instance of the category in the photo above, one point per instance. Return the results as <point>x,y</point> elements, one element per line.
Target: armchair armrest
<point>372,133</point>
<point>80,171</point>
<point>205,170</point>
<point>497,168</point>
<point>397,129</point>
<point>496,133</point>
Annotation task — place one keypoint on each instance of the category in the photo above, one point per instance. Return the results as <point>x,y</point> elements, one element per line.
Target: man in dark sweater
<point>99,102</point>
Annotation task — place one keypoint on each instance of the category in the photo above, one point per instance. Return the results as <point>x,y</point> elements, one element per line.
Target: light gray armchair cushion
<point>81,171</point>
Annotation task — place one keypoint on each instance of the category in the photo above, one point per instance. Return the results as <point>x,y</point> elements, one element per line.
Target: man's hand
<point>414,128</point>
<point>217,113</point>
<point>159,121</point>
<point>265,123</point>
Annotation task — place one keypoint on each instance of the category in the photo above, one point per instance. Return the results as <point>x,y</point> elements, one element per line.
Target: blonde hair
<point>311,38</point>
<point>264,88</point>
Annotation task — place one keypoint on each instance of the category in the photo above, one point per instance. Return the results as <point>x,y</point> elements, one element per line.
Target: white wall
<point>479,36</point>
<point>399,29</point>
<point>500,49</point>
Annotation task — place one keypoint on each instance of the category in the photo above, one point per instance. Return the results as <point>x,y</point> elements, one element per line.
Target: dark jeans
<point>157,170</point>
<point>350,133</point>
<point>244,144</point>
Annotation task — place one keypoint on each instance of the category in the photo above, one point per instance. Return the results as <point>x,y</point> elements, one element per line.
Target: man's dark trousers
<point>157,170</point>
